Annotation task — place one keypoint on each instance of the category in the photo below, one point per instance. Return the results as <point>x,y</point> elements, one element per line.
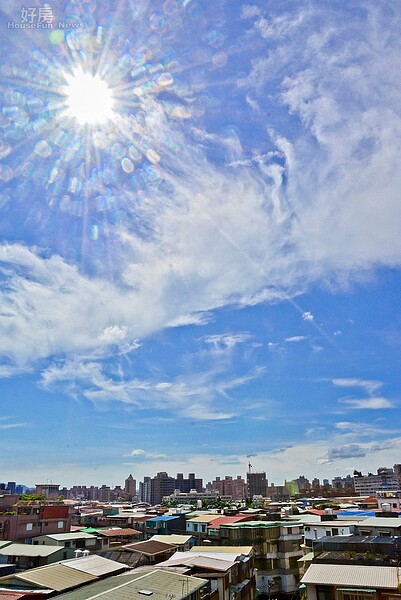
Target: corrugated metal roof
<point>200,560</point>
<point>123,587</point>
<point>381,522</point>
<point>4,543</point>
<point>237,550</point>
<point>61,537</point>
<point>94,565</point>
<point>163,518</point>
<point>171,539</point>
<point>204,519</point>
<point>56,577</point>
<point>29,550</point>
<point>352,575</point>
<point>150,547</point>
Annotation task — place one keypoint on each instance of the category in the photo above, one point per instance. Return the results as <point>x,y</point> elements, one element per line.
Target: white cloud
<point>370,403</point>
<point>226,340</point>
<point>143,455</point>
<point>261,231</point>
<point>195,396</point>
<point>295,339</point>
<point>250,10</point>
<point>371,386</point>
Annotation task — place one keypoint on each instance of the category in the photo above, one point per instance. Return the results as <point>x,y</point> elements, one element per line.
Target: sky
<point>200,242</point>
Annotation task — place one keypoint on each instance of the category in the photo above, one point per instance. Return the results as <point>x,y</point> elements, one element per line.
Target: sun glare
<point>89,99</point>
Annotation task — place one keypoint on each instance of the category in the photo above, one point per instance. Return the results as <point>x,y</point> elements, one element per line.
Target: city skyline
<point>205,271</point>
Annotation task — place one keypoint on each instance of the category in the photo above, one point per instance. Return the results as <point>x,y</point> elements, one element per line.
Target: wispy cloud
<point>8,423</point>
<point>295,339</point>
<point>370,386</point>
<point>195,396</point>
<point>370,403</point>
<point>141,454</point>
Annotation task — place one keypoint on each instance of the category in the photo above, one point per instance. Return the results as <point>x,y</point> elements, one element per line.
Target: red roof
<point>118,532</point>
<point>215,524</point>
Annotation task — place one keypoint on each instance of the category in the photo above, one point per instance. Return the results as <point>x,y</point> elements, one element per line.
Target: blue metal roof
<point>356,513</point>
<point>161,518</point>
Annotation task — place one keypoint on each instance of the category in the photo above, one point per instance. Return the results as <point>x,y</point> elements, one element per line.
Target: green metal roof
<point>125,587</point>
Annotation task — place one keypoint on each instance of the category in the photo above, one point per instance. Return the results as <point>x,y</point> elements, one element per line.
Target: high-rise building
<point>187,485</point>
<point>369,484</point>
<point>130,486</point>
<point>236,488</point>
<point>144,489</point>
<point>257,484</point>
<point>161,485</point>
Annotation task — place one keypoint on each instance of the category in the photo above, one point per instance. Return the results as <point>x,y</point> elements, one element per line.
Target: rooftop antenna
<point>250,467</point>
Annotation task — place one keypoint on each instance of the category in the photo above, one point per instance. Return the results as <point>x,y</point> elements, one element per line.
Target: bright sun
<point>89,99</point>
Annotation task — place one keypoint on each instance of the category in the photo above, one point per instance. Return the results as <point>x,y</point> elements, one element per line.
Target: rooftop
<point>129,586</point>
<point>353,575</point>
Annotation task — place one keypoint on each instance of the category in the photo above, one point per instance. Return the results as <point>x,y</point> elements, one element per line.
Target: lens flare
<point>89,99</point>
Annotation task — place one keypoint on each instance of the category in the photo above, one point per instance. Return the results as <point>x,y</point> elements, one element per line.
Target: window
<point>356,594</point>
<point>29,526</point>
<point>328,532</point>
<point>60,524</point>
<point>289,530</point>
<point>335,531</point>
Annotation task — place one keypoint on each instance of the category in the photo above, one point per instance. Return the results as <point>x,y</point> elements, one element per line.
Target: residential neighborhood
<point>60,543</point>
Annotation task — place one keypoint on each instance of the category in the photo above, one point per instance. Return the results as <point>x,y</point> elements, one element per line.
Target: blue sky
<point>210,275</point>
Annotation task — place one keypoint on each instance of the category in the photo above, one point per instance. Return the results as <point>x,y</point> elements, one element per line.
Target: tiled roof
<point>118,532</point>
<point>352,575</point>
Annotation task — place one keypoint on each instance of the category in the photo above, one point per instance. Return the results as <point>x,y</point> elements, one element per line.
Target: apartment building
<point>277,548</point>
<point>22,522</point>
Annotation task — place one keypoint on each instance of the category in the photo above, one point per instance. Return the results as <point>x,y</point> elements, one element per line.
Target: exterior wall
<point>81,543</point>
<point>257,484</point>
<point>314,531</point>
<point>277,550</point>
<point>31,521</point>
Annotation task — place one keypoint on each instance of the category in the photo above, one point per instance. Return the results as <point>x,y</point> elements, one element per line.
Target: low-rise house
<point>198,525</point>
<point>75,540</point>
<point>61,576</point>
<point>351,582</point>
<point>165,524</point>
<point>314,530</point>
<point>22,522</point>
<point>151,552</point>
<point>277,548</point>
<point>117,536</point>
<point>28,556</point>
<point>384,526</point>
<point>228,569</point>
<point>357,549</point>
